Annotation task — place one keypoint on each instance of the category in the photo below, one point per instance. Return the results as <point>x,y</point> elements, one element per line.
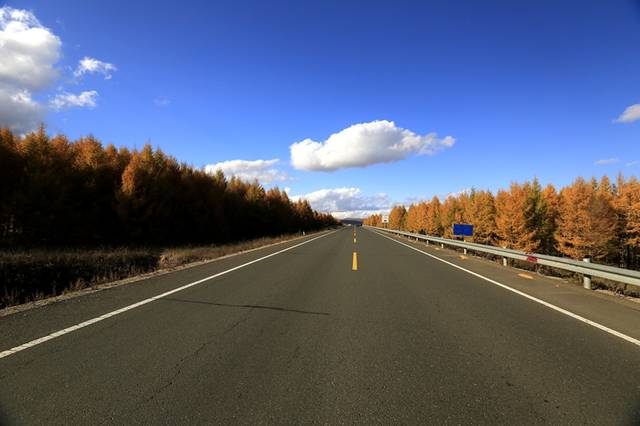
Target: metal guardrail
<point>585,268</point>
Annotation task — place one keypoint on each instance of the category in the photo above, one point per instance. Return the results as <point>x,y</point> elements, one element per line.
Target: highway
<point>308,332</point>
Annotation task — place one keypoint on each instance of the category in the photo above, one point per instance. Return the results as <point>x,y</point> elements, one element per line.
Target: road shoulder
<point>611,311</point>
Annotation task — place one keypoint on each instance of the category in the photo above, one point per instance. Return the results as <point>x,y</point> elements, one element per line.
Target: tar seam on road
<point>143,302</point>
<point>535,299</point>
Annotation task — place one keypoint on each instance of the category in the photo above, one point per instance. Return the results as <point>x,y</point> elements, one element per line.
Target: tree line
<point>593,218</point>
<point>54,191</point>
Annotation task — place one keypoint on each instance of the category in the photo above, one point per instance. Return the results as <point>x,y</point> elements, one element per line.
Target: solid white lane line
<point>518,292</point>
<point>144,302</point>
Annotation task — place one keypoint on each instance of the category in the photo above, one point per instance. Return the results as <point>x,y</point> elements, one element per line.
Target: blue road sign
<point>463,229</point>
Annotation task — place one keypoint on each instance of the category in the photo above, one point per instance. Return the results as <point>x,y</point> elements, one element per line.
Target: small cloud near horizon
<point>264,171</point>
<point>607,161</point>
<point>346,202</point>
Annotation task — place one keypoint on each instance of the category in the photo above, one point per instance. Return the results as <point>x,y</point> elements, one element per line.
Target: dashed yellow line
<point>354,265</point>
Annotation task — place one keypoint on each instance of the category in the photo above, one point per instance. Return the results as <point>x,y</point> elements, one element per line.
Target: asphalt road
<point>301,337</point>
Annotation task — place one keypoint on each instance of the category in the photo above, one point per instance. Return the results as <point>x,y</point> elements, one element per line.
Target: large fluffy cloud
<point>346,202</point>
<point>631,113</point>
<point>262,170</point>
<point>28,53</point>
<point>28,50</point>
<point>364,144</point>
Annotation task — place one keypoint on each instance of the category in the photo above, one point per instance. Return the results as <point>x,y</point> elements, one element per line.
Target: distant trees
<point>599,219</point>
<point>57,192</point>
<point>398,217</point>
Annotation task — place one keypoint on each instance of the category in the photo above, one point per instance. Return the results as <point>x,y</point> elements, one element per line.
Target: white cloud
<point>262,170</point>
<point>69,100</point>
<point>162,102</point>
<point>346,202</point>
<point>89,65</point>
<point>18,111</point>
<point>606,161</point>
<point>632,113</point>
<point>28,52</point>
<point>456,194</point>
<point>364,144</point>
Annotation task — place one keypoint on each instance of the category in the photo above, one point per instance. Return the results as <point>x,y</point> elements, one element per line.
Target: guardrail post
<point>441,245</point>
<point>464,251</point>
<point>505,262</point>
<point>586,279</point>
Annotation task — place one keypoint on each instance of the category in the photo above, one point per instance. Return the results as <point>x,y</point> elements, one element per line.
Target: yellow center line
<point>354,266</point>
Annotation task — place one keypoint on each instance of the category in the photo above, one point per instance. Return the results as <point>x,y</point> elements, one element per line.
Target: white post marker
<point>586,279</point>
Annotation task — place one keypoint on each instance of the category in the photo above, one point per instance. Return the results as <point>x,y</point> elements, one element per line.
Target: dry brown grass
<point>172,257</point>
<point>30,275</point>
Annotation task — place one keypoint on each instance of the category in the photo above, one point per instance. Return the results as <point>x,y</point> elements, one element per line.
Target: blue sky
<point>524,88</point>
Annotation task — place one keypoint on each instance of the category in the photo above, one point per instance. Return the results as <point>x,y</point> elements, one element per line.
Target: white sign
<point>385,218</point>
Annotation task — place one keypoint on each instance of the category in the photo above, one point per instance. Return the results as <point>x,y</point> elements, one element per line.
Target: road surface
<point>316,334</point>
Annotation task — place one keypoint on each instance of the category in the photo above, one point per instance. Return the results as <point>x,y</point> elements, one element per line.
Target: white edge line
<point>87,323</point>
<point>535,299</point>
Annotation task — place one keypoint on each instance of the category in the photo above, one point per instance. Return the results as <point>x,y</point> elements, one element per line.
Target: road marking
<point>523,294</point>
<point>527,276</point>
<point>463,257</point>
<point>354,241</point>
<point>145,301</point>
<point>354,263</point>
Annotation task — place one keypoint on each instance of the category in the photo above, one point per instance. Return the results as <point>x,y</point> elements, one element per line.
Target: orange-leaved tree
<point>482,214</point>
<point>586,221</point>
<point>432,221</point>
<point>397,217</point>
<point>513,227</point>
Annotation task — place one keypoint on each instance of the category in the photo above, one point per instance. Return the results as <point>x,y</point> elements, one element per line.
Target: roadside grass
<point>30,275</point>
